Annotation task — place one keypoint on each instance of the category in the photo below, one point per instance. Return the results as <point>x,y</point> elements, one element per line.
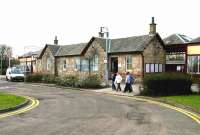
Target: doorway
<point>114,64</point>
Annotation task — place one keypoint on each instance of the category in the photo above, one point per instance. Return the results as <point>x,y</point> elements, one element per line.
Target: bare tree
<point>6,54</point>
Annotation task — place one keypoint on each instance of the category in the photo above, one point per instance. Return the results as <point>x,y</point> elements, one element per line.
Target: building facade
<point>176,52</point>
<point>138,55</point>
<point>194,56</point>
<point>28,61</point>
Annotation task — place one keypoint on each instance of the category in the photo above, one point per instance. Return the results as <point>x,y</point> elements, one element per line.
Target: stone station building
<point>138,55</point>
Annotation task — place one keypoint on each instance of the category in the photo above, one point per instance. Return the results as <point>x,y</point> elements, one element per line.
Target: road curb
<point>195,117</point>
<point>26,102</point>
<point>33,103</point>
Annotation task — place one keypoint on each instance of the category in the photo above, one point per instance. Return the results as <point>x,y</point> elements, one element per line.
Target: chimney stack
<point>55,41</point>
<point>152,30</point>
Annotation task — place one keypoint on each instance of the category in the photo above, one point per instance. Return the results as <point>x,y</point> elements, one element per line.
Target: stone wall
<point>93,49</point>
<point>136,63</point>
<point>41,65</point>
<point>154,53</point>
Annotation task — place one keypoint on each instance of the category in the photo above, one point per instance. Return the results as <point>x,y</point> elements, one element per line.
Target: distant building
<point>176,52</point>
<point>194,56</point>
<point>28,61</point>
<point>182,54</point>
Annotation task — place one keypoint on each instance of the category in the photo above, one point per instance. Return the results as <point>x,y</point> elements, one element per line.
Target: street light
<point>104,33</point>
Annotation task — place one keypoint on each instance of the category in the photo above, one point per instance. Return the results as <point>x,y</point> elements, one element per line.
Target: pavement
<point>136,90</point>
<point>73,112</point>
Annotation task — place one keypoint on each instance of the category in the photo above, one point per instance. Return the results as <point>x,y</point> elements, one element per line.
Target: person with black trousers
<point>113,81</point>
<point>128,81</point>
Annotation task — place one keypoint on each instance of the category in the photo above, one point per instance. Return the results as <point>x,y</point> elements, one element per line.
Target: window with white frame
<point>128,63</point>
<point>152,68</point>
<point>48,63</point>
<point>94,62</point>
<point>194,64</point>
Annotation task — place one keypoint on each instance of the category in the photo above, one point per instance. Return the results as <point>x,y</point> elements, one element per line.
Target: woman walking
<point>118,80</point>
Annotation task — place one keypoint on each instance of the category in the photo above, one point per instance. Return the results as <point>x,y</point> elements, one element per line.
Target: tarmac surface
<point>72,112</point>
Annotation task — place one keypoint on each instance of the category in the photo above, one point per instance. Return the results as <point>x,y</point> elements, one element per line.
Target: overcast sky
<point>30,24</point>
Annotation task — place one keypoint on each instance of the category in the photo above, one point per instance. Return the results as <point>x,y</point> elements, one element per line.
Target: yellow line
<point>34,103</point>
<point>193,116</point>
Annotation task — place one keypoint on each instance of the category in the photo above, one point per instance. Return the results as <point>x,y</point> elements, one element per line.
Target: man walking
<point>128,81</point>
<point>113,81</point>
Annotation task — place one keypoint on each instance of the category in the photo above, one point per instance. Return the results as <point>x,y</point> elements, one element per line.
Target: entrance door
<point>114,64</point>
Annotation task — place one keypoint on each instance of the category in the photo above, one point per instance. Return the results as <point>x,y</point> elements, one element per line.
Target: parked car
<point>14,74</point>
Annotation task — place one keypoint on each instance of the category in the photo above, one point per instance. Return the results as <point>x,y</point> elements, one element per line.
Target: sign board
<point>192,50</point>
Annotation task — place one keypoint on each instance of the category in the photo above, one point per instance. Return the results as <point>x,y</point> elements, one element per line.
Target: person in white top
<point>118,80</point>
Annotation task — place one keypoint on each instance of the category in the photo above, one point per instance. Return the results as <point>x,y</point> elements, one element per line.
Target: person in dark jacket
<point>128,81</point>
<point>113,81</point>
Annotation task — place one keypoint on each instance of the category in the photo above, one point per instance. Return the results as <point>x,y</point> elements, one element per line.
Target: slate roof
<point>69,50</point>
<point>53,48</point>
<point>29,54</point>
<point>129,44</point>
<point>177,39</point>
<point>196,40</point>
<point>120,45</point>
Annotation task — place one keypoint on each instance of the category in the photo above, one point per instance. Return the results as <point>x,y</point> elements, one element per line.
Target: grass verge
<point>8,100</point>
<point>191,101</point>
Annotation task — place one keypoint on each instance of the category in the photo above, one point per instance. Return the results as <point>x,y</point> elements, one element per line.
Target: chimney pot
<point>55,41</point>
<point>152,30</point>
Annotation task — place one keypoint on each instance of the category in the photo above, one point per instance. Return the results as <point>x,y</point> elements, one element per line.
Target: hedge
<point>159,84</point>
<point>91,81</point>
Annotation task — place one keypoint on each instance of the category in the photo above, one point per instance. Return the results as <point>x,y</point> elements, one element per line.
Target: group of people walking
<point>117,79</point>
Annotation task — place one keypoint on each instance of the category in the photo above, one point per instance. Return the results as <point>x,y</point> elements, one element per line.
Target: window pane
<point>128,62</point>
<point>190,61</point>
<point>78,64</point>
<point>152,68</point>
<point>178,68</point>
<point>94,63</point>
<point>195,64</point>
<point>48,63</point>
<point>85,65</point>
<point>64,64</point>
<point>156,67</point>
<point>147,68</point>
<point>199,64</point>
<point>160,68</point>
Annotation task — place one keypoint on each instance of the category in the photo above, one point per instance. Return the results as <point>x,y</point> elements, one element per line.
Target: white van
<point>13,74</point>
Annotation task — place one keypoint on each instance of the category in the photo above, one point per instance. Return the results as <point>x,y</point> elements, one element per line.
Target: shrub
<point>69,81</point>
<point>47,78</point>
<point>196,78</point>
<point>158,84</point>
<point>34,78</point>
<point>92,81</point>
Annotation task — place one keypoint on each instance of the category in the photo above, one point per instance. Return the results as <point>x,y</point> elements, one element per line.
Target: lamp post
<point>104,31</point>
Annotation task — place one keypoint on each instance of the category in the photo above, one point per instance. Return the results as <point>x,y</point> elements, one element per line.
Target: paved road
<point>71,112</point>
